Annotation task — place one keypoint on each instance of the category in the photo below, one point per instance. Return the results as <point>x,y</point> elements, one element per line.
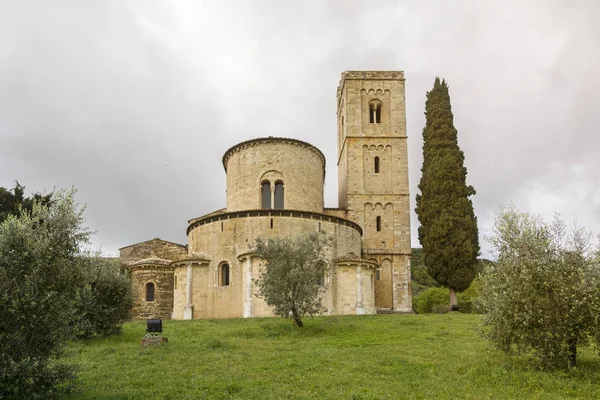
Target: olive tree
<point>40,277</point>
<point>291,279</point>
<point>542,297</point>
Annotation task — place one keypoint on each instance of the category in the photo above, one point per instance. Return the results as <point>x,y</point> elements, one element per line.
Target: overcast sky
<point>135,102</point>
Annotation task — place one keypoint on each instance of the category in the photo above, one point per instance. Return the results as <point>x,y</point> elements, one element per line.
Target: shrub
<point>468,301</point>
<point>425,301</point>
<point>106,300</point>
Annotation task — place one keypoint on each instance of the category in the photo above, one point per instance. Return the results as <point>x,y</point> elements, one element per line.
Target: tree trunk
<point>452,297</point>
<point>297,319</point>
<point>573,355</point>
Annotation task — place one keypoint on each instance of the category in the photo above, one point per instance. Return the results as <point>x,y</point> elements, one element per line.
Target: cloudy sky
<point>135,102</point>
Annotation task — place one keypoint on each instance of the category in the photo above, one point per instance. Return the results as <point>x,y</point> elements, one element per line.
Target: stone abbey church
<point>275,188</point>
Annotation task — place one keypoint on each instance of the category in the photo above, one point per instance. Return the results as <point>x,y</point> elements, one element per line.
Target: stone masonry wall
<point>299,165</point>
<point>224,241</point>
<point>155,248</point>
<point>162,278</point>
<point>368,193</point>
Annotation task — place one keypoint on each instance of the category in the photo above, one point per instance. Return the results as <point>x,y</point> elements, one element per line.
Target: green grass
<point>350,357</point>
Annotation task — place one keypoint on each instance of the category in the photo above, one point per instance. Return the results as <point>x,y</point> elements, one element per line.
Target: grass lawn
<point>349,357</point>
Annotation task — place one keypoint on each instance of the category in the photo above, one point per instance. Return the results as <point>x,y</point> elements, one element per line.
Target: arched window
<point>278,195</point>
<point>225,275</point>
<point>149,291</point>
<point>378,223</point>
<point>376,165</point>
<point>265,195</point>
<point>321,279</point>
<point>375,112</point>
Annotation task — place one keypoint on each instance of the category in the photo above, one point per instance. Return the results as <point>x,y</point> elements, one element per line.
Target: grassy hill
<point>350,357</point>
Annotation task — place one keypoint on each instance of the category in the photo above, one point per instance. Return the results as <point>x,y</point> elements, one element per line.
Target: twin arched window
<point>271,198</point>
<point>149,291</point>
<point>375,112</point>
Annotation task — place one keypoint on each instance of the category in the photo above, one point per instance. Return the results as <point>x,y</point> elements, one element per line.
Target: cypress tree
<point>448,231</point>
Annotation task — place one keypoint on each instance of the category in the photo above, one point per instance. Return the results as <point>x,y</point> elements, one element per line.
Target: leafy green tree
<point>40,274</point>
<point>448,233</point>
<point>12,200</point>
<point>290,279</point>
<point>542,297</point>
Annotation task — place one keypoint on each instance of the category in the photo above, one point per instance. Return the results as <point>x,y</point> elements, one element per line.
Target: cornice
<point>272,213</point>
<point>365,76</point>
<point>194,260</point>
<point>354,259</point>
<point>152,240</point>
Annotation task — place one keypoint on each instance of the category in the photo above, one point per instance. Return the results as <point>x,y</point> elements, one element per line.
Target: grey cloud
<point>135,102</point>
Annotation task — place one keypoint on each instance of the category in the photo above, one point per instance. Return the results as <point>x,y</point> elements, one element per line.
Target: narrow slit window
<point>225,275</point>
<point>378,113</point>
<point>378,223</point>
<point>175,283</point>
<point>221,226</point>
<point>378,275</point>
<point>149,291</point>
<point>271,223</point>
<point>279,194</point>
<point>376,165</point>
<point>265,195</point>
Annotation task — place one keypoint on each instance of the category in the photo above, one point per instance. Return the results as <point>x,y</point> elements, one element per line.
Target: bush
<point>427,300</point>
<point>105,302</point>
<point>468,301</point>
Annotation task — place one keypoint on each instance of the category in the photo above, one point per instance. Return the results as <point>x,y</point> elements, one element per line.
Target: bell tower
<point>373,176</point>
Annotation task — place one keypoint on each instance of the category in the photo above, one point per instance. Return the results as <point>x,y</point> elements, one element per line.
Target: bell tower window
<point>375,112</point>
